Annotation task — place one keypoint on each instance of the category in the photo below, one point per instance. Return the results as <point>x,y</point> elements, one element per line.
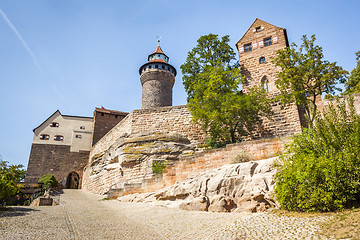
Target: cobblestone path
<point>82,215</point>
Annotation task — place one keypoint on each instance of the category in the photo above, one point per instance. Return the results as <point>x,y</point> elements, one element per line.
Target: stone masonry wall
<point>175,119</point>
<point>56,160</point>
<point>189,167</point>
<point>138,179</point>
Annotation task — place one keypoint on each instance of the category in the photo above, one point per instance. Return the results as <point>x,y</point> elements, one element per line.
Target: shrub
<point>48,181</point>
<point>241,157</point>
<point>321,170</point>
<point>158,167</point>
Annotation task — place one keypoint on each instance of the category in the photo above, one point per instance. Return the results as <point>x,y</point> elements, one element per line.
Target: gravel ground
<point>83,215</point>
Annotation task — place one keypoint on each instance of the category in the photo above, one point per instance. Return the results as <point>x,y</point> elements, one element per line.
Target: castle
<point>116,151</point>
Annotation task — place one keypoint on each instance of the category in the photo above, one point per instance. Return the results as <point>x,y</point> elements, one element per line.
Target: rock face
<point>231,188</point>
<point>133,159</point>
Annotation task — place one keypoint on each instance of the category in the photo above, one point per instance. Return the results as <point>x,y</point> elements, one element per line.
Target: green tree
<point>10,175</point>
<point>321,170</point>
<point>48,181</point>
<point>353,83</point>
<point>305,75</point>
<point>211,77</point>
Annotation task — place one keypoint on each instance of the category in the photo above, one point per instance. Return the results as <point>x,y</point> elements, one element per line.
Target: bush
<point>321,170</point>
<point>48,181</point>
<point>10,175</point>
<point>158,167</point>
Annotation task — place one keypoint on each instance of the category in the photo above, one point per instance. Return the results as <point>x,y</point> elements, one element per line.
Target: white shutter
<point>261,44</point>
<point>254,45</point>
<point>262,28</point>
<point>254,30</point>
<point>275,39</point>
<point>241,49</point>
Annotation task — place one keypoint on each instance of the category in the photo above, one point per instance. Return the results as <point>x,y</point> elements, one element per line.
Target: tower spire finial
<point>158,37</point>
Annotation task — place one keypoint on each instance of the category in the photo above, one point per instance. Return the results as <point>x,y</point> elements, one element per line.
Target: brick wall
<point>56,160</point>
<point>104,121</point>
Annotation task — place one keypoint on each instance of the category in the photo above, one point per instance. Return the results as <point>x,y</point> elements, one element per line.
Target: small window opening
<point>54,124</point>
<point>258,29</point>
<point>267,41</point>
<point>102,114</point>
<point>82,127</point>
<point>116,116</point>
<point>156,66</point>
<point>247,47</point>
<point>44,137</point>
<point>58,138</point>
<point>78,136</point>
<point>262,60</point>
<point>266,84</point>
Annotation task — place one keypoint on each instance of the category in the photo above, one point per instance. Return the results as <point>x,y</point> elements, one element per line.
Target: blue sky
<point>75,55</point>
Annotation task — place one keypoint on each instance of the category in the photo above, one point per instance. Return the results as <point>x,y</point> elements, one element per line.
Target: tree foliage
<point>321,170</point>
<point>211,77</point>
<point>10,175</point>
<point>305,75</point>
<point>353,83</point>
<point>48,181</point>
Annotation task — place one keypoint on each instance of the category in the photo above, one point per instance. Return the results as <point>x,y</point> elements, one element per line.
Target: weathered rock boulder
<point>232,188</point>
<point>130,160</point>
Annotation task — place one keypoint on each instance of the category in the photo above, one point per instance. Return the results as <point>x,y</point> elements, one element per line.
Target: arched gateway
<point>73,181</point>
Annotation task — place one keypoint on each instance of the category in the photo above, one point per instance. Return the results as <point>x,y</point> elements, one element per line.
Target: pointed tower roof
<point>158,50</point>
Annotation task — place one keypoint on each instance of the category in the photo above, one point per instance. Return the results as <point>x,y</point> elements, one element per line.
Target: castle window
<point>247,47</point>
<point>267,41</point>
<point>44,137</point>
<point>258,29</point>
<point>266,84</point>
<point>262,60</point>
<point>82,127</point>
<point>58,138</point>
<point>78,136</point>
<point>54,124</point>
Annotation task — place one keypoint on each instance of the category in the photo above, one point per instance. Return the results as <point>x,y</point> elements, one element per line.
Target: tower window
<point>267,41</point>
<point>258,29</point>
<point>58,138</point>
<point>44,137</point>
<point>262,60</point>
<point>266,84</point>
<point>54,124</point>
<point>247,47</point>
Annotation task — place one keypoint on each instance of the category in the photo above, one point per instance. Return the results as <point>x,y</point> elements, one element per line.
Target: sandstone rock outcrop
<point>131,159</point>
<point>232,188</point>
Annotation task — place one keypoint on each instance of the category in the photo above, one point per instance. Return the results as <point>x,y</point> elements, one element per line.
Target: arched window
<point>266,84</point>
<point>262,60</point>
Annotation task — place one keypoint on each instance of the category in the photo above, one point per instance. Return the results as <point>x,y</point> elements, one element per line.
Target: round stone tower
<point>157,78</point>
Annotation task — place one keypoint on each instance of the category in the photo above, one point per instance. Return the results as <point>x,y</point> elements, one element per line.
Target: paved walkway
<point>82,215</point>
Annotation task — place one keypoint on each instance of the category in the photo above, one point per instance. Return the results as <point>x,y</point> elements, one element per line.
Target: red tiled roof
<point>158,50</point>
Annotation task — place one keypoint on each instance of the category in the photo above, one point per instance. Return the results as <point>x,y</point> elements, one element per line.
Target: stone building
<point>61,146</point>
<point>257,49</point>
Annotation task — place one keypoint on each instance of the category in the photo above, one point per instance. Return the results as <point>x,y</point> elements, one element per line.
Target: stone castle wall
<point>56,160</point>
<point>136,178</point>
<point>176,119</point>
